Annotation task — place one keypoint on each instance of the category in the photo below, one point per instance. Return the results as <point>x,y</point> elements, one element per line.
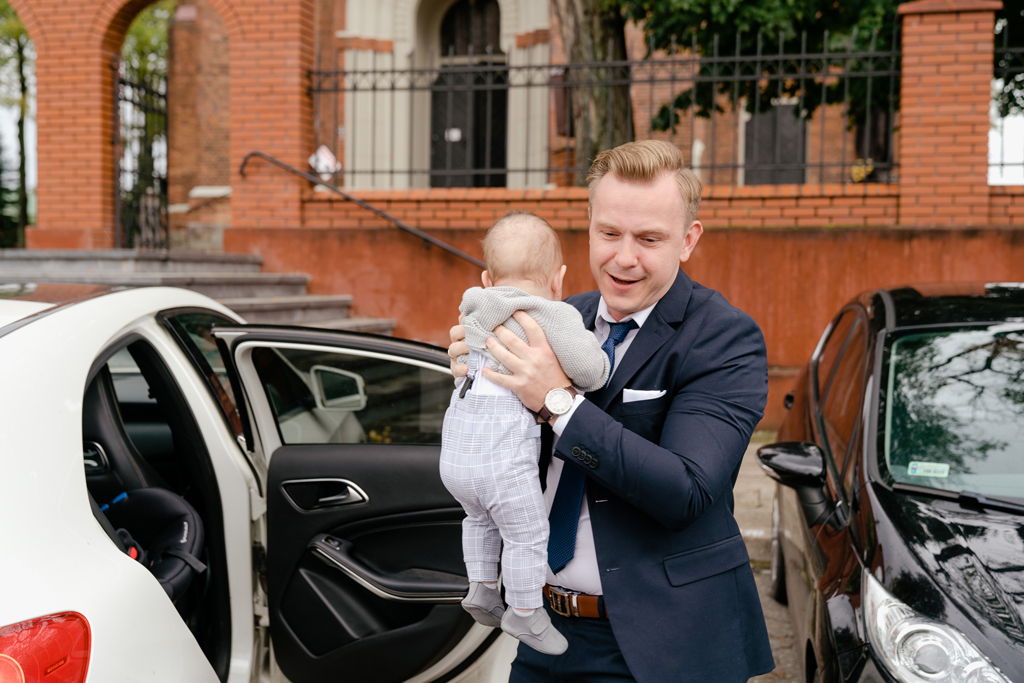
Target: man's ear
<point>485,279</point>
<point>556,284</point>
<point>690,240</point>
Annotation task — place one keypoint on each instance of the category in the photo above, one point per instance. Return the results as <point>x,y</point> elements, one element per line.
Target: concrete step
<point>216,285</point>
<point>310,309</point>
<point>46,262</point>
<point>374,325</point>
<point>234,279</point>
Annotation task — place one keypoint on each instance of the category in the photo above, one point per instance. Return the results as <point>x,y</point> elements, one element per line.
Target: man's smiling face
<point>639,234</point>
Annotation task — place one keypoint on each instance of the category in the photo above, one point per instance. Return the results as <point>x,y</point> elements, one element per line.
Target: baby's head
<point>522,251</point>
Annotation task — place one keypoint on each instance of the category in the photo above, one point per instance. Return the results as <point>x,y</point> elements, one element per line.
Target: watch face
<point>558,401</point>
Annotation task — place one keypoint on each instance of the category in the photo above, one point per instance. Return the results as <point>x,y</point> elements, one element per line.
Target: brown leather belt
<point>570,603</point>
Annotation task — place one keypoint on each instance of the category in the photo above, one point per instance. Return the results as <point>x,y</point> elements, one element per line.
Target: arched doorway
<point>469,99</point>
<point>140,131</point>
<point>172,129</point>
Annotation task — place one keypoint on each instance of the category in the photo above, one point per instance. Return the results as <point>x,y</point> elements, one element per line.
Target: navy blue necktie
<point>565,508</point>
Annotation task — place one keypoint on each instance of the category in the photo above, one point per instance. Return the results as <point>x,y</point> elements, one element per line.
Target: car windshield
<point>954,410</point>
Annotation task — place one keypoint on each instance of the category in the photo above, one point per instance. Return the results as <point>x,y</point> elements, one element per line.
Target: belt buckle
<point>562,603</point>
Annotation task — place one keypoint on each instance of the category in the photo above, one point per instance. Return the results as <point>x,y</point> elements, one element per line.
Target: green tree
<point>1009,62</point>
<point>718,30</point>
<point>145,49</point>
<point>18,54</point>
<point>593,33</point>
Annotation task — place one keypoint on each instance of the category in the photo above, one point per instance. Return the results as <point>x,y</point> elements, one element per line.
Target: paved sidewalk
<point>753,494</point>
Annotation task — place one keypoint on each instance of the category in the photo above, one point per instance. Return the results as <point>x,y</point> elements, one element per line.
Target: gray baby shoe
<point>484,604</point>
<point>536,630</point>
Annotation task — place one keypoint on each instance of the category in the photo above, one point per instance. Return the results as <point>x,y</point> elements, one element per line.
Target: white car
<point>187,498</point>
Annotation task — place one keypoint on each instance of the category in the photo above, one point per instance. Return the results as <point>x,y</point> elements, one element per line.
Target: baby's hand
<point>457,348</point>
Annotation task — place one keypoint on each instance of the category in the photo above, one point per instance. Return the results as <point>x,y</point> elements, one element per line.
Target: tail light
<point>50,649</point>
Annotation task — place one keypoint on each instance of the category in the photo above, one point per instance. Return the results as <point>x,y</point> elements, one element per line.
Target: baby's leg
<point>521,517</point>
<point>468,478</point>
<point>481,544</point>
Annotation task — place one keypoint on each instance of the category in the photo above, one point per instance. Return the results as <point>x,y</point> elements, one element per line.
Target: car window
<point>844,393</point>
<point>954,416</point>
<point>193,332</point>
<point>322,396</point>
<point>825,365</point>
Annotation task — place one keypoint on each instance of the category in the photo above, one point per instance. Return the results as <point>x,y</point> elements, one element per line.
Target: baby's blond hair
<point>522,246</point>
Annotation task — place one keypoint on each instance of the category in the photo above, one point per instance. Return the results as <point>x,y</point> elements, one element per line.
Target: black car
<point>898,524</point>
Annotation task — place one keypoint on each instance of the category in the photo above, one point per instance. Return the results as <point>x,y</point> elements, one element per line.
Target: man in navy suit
<point>650,579</point>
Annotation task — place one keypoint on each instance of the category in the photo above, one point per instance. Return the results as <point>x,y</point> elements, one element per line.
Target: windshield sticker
<point>927,469</point>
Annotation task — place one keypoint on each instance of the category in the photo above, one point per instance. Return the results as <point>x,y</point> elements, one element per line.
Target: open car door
<point>364,558</point>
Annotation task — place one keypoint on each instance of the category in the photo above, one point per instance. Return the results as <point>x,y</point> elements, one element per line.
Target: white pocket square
<point>631,395</point>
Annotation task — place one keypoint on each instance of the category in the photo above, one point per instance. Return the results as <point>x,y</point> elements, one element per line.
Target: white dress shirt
<point>582,574</point>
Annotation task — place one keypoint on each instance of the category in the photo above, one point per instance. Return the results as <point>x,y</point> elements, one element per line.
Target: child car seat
<point>161,530</point>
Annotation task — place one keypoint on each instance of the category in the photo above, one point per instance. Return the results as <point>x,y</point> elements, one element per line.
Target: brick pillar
<point>74,105</point>
<point>944,104</point>
<point>271,111</point>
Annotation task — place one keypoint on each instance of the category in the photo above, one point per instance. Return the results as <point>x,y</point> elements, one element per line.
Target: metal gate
<point>140,148</point>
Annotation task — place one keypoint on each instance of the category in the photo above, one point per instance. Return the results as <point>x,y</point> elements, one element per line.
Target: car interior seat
<point>113,463</point>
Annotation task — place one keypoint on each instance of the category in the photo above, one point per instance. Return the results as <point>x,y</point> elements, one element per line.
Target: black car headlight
<point>916,649</point>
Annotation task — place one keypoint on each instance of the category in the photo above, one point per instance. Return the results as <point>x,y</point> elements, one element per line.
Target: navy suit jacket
<point>677,581</point>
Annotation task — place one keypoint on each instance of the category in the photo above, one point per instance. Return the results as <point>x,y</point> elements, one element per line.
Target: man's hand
<point>534,366</point>
<point>457,348</point>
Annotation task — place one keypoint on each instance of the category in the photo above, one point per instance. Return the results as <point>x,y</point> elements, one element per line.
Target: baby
<point>490,442</point>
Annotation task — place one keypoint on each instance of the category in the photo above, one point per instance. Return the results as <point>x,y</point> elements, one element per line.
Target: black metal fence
<point>797,110</point>
<point>140,148</point>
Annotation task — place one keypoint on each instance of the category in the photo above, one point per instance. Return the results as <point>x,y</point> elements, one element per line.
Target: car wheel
<point>777,583</point>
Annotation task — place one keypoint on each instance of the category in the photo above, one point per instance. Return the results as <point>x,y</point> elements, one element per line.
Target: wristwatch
<point>557,402</point>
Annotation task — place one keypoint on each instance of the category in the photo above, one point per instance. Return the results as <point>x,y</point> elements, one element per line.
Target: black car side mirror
<point>794,463</point>
<point>800,465</point>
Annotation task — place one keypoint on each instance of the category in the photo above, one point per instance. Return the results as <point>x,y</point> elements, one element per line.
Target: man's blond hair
<point>522,246</point>
<point>642,162</point>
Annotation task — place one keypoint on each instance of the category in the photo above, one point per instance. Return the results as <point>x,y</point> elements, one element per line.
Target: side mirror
<point>799,464</point>
<point>337,389</point>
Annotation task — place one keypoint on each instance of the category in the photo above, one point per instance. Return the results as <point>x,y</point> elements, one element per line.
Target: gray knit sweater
<point>577,349</point>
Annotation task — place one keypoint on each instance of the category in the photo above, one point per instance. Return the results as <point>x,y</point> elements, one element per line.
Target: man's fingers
<point>501,379</point>
<point>534,332</point>
<point>513,343</point>
<point>500,352</point>
<point>457,348</point>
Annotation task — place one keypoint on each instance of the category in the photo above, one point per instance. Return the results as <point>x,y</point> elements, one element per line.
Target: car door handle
<point>422,586</point>
<point>315,494</point>
<point>347,497</point>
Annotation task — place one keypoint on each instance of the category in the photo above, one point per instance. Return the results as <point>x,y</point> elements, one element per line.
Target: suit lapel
<point>659,327</point>
<point>587,306</point>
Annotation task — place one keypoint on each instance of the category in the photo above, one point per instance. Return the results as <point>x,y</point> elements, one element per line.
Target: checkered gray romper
<point>490,445</point>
